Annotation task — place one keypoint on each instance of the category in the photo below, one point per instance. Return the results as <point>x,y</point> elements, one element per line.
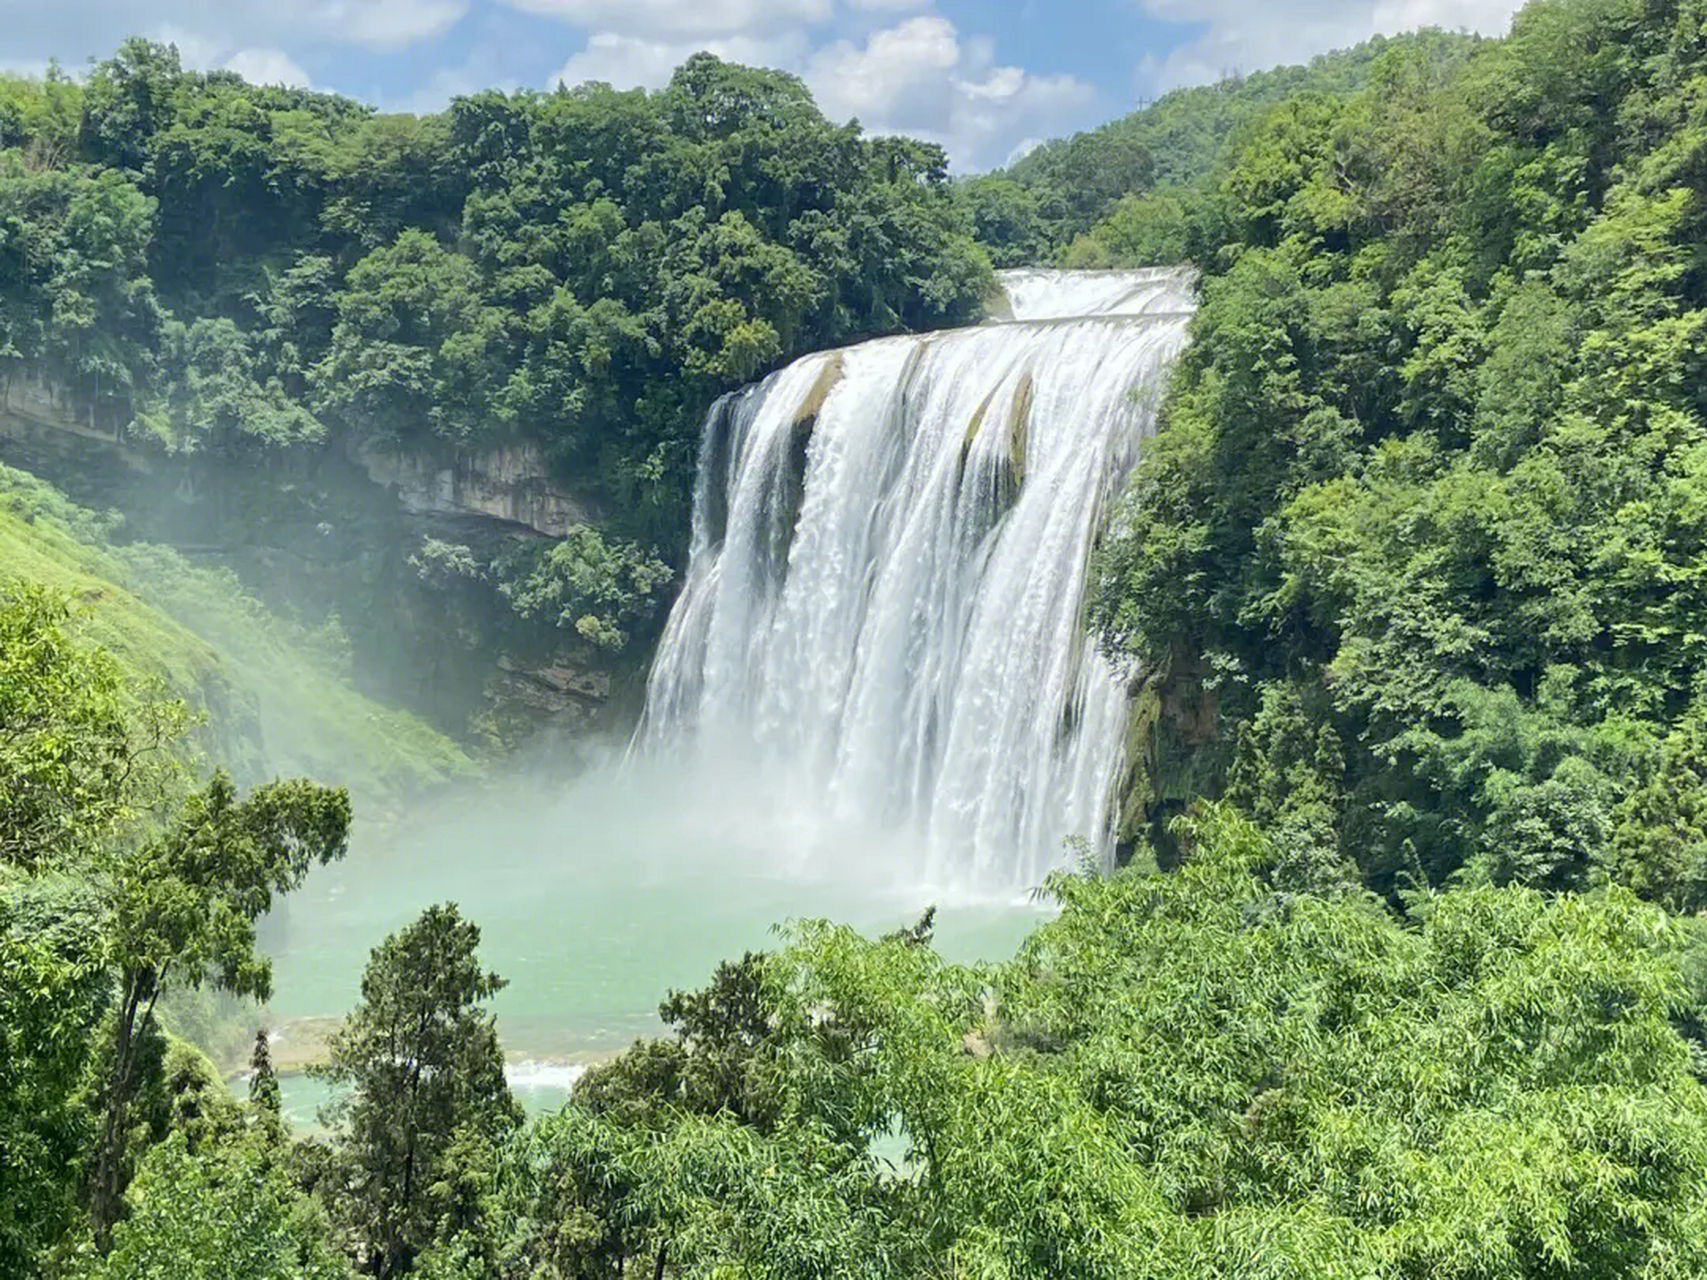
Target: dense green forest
<point>1416,566</point>
<point>246,284</point>
<point>1080,200</point>
<point>229,268</point>
<point>1406,973</point>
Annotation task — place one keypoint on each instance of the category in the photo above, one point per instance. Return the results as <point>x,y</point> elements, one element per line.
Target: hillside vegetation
<point>1422,537</point>
<point>274,697</point>
<point>220,267</point>
<point>252,285</point>
<point>1069,200</point>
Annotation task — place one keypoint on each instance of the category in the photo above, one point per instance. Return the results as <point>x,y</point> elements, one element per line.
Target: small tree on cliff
<point>428,1083</point>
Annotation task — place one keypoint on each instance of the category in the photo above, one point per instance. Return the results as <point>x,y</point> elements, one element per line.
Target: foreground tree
<point>428,1095</point>
<point>184,907</point>
<point>83,751</point>
<point>114,888</point>
<point>217,1215</point>
<point>1203,1074</point>
<point>52,994</point>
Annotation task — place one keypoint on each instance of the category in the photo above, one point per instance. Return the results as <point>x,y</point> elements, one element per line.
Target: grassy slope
<point>275,698</point>
<point>141,637</point>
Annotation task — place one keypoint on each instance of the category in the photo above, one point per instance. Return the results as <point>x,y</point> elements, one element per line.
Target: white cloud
<point>256,64</point>
<point>1487,16</point>
<point>385,24</point>
<point>195,51</point>
<point>921,78</point>
<point>889,6</point>
<point>676,20</point>
<point>267,66</point>
<point>902,73</point>
<point>1244,36</point>
<point>481,69</point>
<point>634,62</point>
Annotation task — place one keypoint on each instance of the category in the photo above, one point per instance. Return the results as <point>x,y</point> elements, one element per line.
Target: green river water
<point>594,897</point>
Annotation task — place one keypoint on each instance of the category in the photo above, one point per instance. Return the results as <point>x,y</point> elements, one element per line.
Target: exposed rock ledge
<point>508,482</point>
<point>28,400</point>
<point>561,689</point>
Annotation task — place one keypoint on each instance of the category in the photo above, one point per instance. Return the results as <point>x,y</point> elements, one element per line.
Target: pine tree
<point>263,1080</point>
<point>427,1076</point>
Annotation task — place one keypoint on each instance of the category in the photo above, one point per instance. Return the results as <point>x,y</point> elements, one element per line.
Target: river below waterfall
<point>594,900</point>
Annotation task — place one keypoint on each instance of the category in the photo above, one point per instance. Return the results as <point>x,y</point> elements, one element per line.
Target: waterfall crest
<point>883,603</point>
<point>1047,293</point>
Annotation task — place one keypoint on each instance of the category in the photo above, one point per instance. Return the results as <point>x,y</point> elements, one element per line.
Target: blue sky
<point>984,77</point>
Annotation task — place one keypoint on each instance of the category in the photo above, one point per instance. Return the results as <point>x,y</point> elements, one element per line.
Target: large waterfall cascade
<point>883,606</point>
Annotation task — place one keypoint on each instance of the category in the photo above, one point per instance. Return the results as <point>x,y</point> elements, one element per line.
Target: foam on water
<point>532,1075</point>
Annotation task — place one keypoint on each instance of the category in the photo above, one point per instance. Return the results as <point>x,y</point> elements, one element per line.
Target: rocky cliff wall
<point>508,482</point>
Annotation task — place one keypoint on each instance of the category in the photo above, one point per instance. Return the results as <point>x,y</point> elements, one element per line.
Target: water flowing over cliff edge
<point>883,607</point>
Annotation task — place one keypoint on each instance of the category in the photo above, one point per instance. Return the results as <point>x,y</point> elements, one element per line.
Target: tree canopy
<point>1413,568</point>
<point>1198,1073</point>
<point>219,266</point>
<point>118,882</point>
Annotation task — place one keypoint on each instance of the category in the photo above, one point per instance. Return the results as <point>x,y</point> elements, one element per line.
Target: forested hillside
<point>234,268</point>
<point>269,695</point>
<point>1415,570</point>
<point>257,284</point>
<point>1143,166</point>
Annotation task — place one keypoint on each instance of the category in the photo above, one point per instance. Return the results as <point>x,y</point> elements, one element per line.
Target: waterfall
<point>883,603</point>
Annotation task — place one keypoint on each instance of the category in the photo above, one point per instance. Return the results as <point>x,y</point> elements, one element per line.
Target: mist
<point>597,891</point>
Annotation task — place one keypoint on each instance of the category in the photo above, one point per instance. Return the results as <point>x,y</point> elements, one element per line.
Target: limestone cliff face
<point>1176,750</point>
<point>307,534</point>
<point>29,401</point>
<point>506,482</point>
<point>569,687</point>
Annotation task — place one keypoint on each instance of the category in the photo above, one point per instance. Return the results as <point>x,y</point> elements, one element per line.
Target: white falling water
<point>1044,293</point>
<point>883,603</point>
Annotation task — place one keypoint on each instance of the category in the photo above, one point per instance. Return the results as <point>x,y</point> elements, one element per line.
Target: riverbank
<point>301,1044</point>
